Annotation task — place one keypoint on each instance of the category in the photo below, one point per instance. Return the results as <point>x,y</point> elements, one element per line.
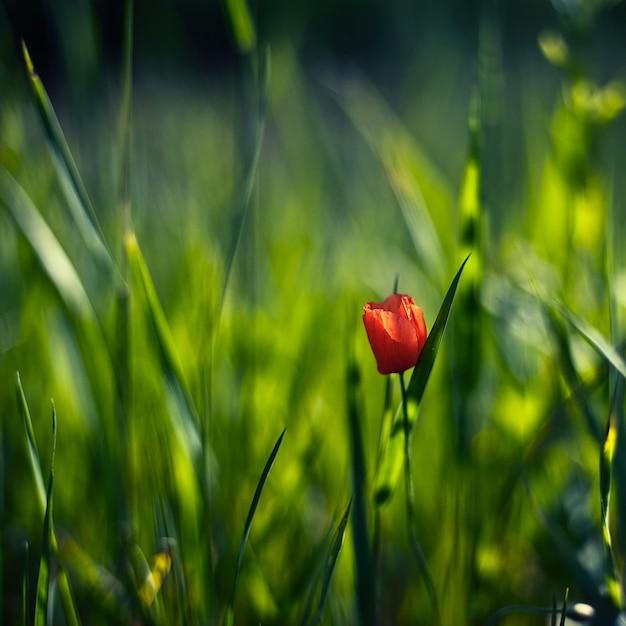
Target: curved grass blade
<point>32,445</point>
<point>571,374</point>
<point>76,194</point>
<point>594,338</point>
<point>420,189</point>
<point>43,500</point>
<point>187,426</point>
<point>246,529</point>
<point>52,258</point>
<point>390,468</point>
<point>43,580</point>
<point>241,24</point>
<point>331,561</point>
<point>606,470</point>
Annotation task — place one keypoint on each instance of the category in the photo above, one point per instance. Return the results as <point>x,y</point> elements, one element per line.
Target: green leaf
<point>247,187</point>
<point>35,465</point>
<point>241,24</point>
<point>43,581</point>
<point>186,421</point>
<point>50,254</point>
<point>594,338</point>
<point>247,526</point>
<point>78,201</point>
<point>422,193</point>
<point>331,561</point>
<point>360,535</point>
<point>606,470</point>
<point>390,467</point>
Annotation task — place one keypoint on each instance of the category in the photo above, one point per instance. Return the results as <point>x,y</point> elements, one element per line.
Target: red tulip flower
<point>396,331</point>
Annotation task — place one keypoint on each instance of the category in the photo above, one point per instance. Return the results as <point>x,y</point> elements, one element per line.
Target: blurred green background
<point>286,164</point>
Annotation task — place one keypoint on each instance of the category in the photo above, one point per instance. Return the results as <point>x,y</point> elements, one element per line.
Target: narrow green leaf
<point>43,499</point>
<point>125,119</point>
<point>26,588</point>
<point>571,374</point>
<point>35,465</point>
<point>241,24</point>
<point>360,534</point>
<point>390,468</point>
<point>78,201</point>
<point>606,470</point>
<point>595,339</point>
<point>50,254</point>
<point>246,529</point>
<point>331,561</point>
<point>422,193</point>
<point>244,201</point>
<point>187,424</point>
<point>564,608</point>
<point>43,581</point>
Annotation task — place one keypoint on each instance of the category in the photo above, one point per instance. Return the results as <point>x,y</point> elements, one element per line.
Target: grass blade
<point>246,529</point>
<point>125,119</point>
<point>241,214</point>
<point>75,192</point>
<point>241,24</point>
<point>606,470</point>
<point>331,561</point>
<point>32,445</point>
<point>26,588</point>
<point>390,468</point>
<point>421,191</point>
<point>360,534</point>
<point>43,580</point>
<point>595,339</point>
<point>43,499</point>
<point>187,427</point>
<point>52,258</point>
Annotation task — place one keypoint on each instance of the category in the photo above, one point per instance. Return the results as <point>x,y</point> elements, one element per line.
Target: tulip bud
<point>396,331</point>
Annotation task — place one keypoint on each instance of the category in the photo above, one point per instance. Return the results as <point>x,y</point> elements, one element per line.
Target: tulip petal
<point>393,340</point>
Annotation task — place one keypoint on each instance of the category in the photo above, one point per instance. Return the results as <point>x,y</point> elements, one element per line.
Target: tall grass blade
<point>390,468</point>
<point>241,24</point>
<point>43,580</point>
<point>52,258</point>
<point>26,588</point>
<point>43,500</point>
<point>245,199</point>
<point>595,339</point>
<point>331,561</point>
<point>606,470</point>
<point>248,525</point>
<point>421,191</point>
<point>571,374</point>
<point>187,426</point>
<point>467,345</point>
<point>32,445</point>
<point>564,608</point>
<point>76,194</point>
<point>125,119</point>
<point>360,534</point>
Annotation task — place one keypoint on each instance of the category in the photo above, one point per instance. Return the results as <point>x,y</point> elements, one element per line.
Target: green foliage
<point>189,284</point>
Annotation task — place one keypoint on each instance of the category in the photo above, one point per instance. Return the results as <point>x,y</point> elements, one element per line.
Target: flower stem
<point>410,505</point>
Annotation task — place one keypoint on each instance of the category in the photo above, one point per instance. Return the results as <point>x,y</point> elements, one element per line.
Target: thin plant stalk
<point>410,506</point>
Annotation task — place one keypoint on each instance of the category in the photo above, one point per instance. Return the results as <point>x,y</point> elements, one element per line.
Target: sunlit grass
<point>185,320</point>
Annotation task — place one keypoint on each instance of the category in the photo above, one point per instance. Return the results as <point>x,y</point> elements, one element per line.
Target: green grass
<point>183,268</point>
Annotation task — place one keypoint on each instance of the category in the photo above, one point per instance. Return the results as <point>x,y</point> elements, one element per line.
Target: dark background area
<point>377,35</point>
